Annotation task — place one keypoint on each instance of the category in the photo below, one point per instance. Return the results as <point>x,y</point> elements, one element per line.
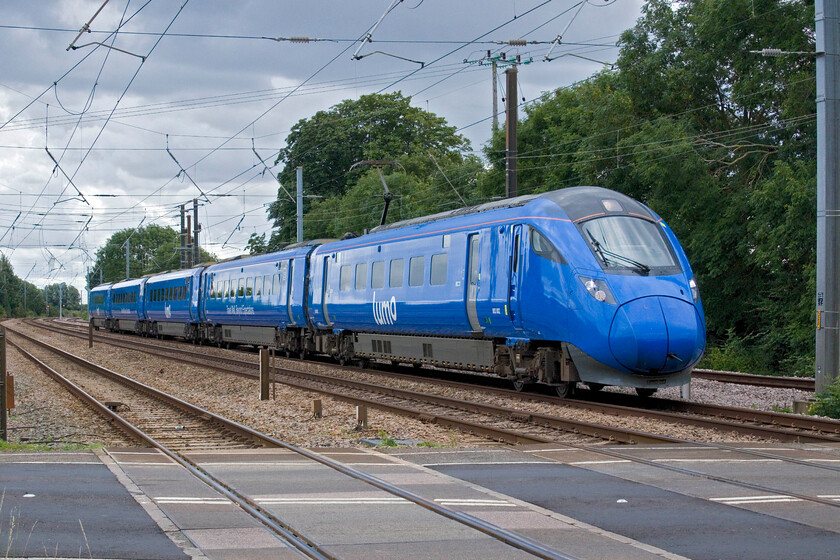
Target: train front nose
<point>657,335</point>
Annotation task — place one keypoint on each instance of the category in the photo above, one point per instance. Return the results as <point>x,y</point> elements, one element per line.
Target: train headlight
<point>598,289</point>
<point>695,291</point>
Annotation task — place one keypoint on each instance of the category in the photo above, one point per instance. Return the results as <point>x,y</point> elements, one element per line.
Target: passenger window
<point>377,275</point>
<point>346,278</point>
<point>276,283</point>
<point>397,271</point>
<point>416,270</point>
<point>439,266</point>
<point>361,276</point>
<point>544,248</point>
<point>240,291</point>
<point>249,287</point>
<point>267,284</point>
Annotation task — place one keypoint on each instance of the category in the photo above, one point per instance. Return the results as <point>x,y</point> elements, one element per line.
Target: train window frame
<point>438,263</point>
<point>345,278</point>
<point>276,284</point>
<point>396,280</point>
<point>377,275</point>
<point>623,262</point>
<point>361,276</point>
<point>416,271</point>
<point>240,288</point>
<point>547,249</point>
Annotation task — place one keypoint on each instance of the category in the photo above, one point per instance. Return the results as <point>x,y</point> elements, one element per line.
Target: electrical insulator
<point>299,39</point>
<point>517,42</point>
<point>771,52</point>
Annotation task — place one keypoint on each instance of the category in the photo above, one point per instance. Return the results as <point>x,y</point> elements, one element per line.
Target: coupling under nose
<point>657,335</point>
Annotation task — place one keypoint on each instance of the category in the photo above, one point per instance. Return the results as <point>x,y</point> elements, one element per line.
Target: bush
<point>828,402</point>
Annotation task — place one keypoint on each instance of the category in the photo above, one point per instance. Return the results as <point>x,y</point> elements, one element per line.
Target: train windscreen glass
<point>628,243</point>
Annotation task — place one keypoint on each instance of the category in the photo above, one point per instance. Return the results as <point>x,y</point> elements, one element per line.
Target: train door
<point>516,264</point>
<point>326,290</point>
<point>473,276</point>
<point>290,284</point>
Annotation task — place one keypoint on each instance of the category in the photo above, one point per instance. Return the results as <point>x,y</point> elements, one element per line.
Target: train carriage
<point>257,300</point>
<point>99,305</point>
<point>541,288</point>
<point>127,306</point>
<point>172,301</point>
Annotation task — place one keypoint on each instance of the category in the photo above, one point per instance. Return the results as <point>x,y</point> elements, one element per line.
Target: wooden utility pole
<point>511,110</point>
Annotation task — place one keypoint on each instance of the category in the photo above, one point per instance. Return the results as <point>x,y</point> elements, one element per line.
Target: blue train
<point>582,284</point>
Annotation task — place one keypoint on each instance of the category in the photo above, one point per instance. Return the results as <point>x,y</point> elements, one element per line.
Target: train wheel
<point>595,386</point>
<point>342,361</point>
<point>518,384</point>
<point>564,390</point>
<point>645,392</point>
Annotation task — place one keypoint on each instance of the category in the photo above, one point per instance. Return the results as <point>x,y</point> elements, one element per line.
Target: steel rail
<point>609,433</point>
<point>503,535</point>
<point>706,476</point>
<point>827,430</point>
<point>294,537</point>
<point>801,383</point>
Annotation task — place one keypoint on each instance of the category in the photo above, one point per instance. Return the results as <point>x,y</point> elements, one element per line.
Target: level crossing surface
<point>136,503</point>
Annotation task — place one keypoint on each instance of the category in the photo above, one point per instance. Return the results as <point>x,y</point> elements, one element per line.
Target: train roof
<point>578,203</point>
<point>172,274</point>
<point>295,250</point>
<point>130,283</point>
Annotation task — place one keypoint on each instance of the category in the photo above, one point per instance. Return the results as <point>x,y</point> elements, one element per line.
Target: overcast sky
<point>217,82</point>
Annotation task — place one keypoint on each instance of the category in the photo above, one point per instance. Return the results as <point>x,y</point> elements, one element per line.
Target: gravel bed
<point>46,414</point>
<point>290,417</point>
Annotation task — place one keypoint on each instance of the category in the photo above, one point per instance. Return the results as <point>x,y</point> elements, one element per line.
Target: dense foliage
<point>19,298</point>
<point>374,127</point>
<point>152,249</point>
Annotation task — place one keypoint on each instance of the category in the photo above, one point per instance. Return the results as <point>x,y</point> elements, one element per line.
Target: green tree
<point>18,298</point>
<point>152,248</point>
<point>373,127</point>
<point>719,141</point>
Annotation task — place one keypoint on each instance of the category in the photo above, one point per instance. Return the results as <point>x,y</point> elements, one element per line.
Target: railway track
<point>801,383</point>
<point>153,423</point>
<point>501,424</point>
<point>627,455</point>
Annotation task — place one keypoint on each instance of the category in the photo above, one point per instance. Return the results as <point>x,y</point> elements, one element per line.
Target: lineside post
<point>3,435</point>
<point>827,17</point>
<point>273,371</point>
<point>361,417</point>
<point>264,374</point>
<point>90,333</point>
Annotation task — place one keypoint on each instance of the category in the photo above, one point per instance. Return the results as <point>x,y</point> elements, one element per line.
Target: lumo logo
<point>385,312</point>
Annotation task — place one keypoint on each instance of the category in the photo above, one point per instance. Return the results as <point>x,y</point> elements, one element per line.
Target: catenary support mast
<point>828,192</point>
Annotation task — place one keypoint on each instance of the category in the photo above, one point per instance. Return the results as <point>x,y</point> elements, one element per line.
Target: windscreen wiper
<point>606,253</point>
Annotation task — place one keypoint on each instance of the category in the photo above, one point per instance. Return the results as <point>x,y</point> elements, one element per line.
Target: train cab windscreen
<point>626,244</point>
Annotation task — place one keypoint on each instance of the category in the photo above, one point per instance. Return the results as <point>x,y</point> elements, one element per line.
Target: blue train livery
<point>582,284</point>
<point>127,309</point>
<point>172,302</point>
